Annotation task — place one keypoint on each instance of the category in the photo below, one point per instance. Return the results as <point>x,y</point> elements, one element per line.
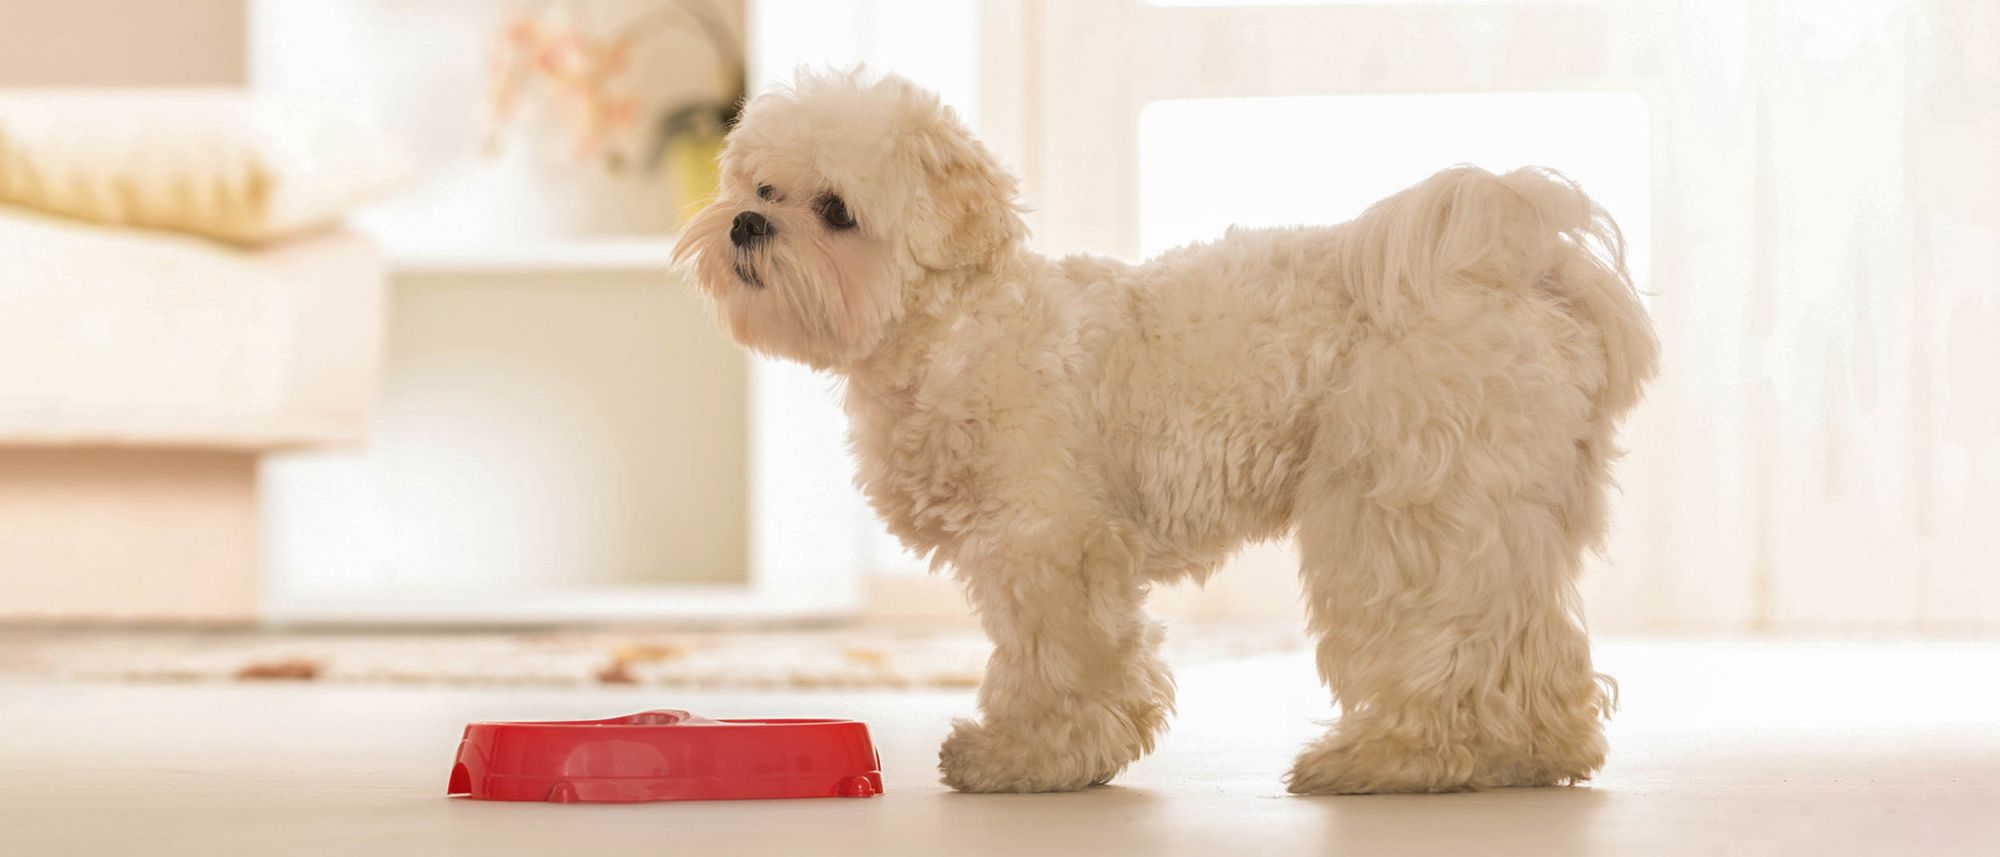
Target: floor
<point>1720,748</point>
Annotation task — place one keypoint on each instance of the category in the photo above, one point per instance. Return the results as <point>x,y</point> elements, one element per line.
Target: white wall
<point>121,43</point>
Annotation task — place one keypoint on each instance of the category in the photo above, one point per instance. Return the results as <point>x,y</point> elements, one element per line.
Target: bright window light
<point>934,43</point>
<point>1207,164</point>
<point>1226,3</point>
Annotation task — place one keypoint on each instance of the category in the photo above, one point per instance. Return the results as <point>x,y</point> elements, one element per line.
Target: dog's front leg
<point>1075,690</point>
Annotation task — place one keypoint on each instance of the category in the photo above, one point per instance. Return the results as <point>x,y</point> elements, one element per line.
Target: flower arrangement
<point>550,51</point>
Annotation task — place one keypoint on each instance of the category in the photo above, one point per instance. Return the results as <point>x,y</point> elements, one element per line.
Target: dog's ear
<point>965,205</point>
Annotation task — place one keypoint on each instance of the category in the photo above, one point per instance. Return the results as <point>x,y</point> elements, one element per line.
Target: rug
<point>740,659</point>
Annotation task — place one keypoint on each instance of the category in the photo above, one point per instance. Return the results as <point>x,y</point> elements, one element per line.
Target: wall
<point>122,43</point>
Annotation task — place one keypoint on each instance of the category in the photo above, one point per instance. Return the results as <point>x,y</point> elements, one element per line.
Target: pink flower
<point>520,30</point>
<point>621,110</point>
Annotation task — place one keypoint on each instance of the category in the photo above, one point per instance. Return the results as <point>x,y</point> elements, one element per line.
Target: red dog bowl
<point>665,755</point>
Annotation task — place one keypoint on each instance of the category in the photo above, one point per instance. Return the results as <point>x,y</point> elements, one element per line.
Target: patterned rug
<point>834,658</point>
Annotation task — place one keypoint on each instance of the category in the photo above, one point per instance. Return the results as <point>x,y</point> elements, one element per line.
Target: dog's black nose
<point>748,228</point>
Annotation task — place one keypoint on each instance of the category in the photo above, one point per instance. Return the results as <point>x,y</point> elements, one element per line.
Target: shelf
<point>608,254</point>
<point>636,604</point>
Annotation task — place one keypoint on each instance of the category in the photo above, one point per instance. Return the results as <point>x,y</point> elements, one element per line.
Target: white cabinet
<point>565,435</point>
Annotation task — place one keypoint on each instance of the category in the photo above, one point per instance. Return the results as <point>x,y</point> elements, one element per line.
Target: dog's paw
<point>1339,764</point>
<point>1362,761</point>
<point>982,759</point>
<point>1554,758</point>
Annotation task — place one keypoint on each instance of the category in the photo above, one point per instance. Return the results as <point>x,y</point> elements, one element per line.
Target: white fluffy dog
<point>1424,397</point>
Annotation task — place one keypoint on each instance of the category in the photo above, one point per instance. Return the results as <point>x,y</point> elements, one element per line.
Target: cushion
<point>214,162</point>
<point>127,337</point>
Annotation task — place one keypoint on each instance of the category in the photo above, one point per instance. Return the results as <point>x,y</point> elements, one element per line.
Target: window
<point>1207,164</point>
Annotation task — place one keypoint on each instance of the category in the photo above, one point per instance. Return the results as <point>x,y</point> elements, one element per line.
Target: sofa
<point>142,375</point>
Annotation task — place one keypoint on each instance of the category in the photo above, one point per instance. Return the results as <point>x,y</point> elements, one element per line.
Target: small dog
<point>1424,397</point>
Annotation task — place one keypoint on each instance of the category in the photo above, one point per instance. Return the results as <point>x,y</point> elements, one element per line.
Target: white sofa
<point>141,375</point>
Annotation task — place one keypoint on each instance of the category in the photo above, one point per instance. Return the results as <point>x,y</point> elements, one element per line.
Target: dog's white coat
<point>1425,397</point>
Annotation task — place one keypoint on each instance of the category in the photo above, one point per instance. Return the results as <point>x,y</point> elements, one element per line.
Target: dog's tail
<point>1532,228</point>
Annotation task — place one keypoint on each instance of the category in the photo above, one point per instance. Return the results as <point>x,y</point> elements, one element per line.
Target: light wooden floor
<point>1720,749</point>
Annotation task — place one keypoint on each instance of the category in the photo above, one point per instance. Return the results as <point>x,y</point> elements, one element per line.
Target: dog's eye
<point>834,211</point>
<point>765,192</point>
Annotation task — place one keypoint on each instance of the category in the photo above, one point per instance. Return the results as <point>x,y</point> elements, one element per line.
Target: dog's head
<point>843,200</point>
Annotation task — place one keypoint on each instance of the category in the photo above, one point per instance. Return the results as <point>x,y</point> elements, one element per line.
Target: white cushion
<point>125,337</point>
<point>219,163</point>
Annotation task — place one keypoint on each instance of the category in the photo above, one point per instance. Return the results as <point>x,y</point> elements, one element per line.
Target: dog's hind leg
<point>1441,526</point>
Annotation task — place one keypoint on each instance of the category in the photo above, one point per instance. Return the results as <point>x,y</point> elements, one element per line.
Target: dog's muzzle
<point>749,228</point>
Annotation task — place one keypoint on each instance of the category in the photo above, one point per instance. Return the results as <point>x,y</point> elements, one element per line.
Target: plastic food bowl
<point>665,755</point>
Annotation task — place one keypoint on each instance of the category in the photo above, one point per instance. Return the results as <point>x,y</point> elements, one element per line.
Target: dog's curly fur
<point>1425,397</point>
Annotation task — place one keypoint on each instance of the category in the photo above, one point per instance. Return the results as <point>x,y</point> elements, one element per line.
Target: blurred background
<point>357,313</point>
